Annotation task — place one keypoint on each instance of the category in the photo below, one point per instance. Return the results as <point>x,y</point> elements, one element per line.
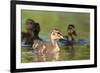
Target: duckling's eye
<point>59,33</point>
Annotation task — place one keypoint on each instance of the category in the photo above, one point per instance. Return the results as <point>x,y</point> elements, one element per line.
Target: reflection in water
<point>71,56</point>
<point>71,52</point>
<point>37,57</point>
<point>55,56</point>
<point>65,54</point>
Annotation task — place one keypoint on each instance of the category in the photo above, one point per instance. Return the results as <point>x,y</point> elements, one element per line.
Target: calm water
<point>80,52</point>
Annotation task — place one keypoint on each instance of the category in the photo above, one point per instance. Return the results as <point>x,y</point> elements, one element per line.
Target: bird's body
<point>47,48</point>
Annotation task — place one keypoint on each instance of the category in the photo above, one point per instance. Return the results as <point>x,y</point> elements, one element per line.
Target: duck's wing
<point>37,44</point>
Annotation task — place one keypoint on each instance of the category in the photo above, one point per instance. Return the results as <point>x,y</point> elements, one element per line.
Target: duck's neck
<point>54,44</point>
<point>70,37</point>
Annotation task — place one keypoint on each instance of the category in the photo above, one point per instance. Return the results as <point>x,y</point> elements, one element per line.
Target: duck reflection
<point>39,58</point>
<point>46,57</point>
<point>53,56</point>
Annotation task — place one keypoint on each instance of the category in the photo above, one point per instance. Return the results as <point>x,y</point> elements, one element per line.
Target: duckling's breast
<point>57,49</point>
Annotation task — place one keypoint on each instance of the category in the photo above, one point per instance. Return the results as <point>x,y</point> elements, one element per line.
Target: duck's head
<point>71,30</point>
<point>56,34</point>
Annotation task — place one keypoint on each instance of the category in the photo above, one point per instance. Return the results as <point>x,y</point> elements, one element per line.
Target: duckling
<point>45,47</point>
<point>71,31</point>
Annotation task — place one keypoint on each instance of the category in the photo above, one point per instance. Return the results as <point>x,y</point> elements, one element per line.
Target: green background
<point>48,20</point>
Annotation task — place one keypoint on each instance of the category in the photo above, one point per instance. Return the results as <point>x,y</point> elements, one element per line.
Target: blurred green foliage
<point>49,20</point>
